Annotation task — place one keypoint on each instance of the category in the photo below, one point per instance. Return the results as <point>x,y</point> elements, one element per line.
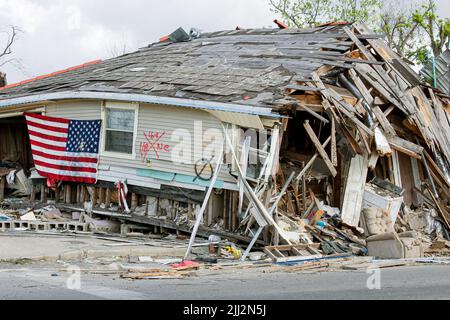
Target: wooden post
<point>78,200</point>
<point>94,197</point>
<point>267,229</point>
<point>276,235</point>
<point>225,209</point>
<point>33,193</point>
<point>2,188</point>
<point>337,184</point>
<point>234,210</point>
<point>43,193</point>
<point>320,148</point>
<point>102,196</point>
<point>304,189</point>
<point>57,194</point>
<point>81,194</point>
<point>210,212</point>
<point>108,198</point>
<point>68,194</point>
<point>230,210</point>
<point>134,201</point>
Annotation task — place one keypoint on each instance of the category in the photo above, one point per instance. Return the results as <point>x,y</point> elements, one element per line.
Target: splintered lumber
<point>374,81</point>
<point>439,175</point>
<point>382,265</point>
<point>313,113</point>
<point>305,266</point>
<point>353,118</point>
<point>293,252</point>
<point>411,149</point>
<point>286,185</point>
<point>440,208</point>
<point>361,87</point>
<point>157,274</point>
<point>311,162</point>
<point>334,156</point>
<point>383,76</point>
<point>282,192</point>
<point>261,209</point>
<point>354,190</point>
<point>358,43</point>
<point>384,122</point>
<point>320,149</point>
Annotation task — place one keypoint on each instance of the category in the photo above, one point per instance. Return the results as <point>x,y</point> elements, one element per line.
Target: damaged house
<point>318,128</point>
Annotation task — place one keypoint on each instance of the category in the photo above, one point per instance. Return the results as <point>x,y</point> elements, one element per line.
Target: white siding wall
<point>152,118</point>
<point>85,110</point>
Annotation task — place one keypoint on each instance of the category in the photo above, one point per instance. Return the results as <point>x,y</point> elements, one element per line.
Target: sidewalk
<point>36,247</point>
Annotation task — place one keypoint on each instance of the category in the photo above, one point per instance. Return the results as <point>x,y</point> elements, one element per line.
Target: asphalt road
<point>47,282</point>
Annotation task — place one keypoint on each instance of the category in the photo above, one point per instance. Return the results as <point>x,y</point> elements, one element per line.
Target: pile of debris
<point>386,127</point>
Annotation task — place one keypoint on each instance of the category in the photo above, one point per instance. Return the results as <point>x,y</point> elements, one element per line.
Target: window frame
<point>119,106</point>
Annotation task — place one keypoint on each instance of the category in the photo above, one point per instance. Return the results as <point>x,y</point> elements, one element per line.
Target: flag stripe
<point>65,163</point>
<point>46,136</point>
<point>64,168</point>
<point>64,158</point>
<point>68,178</point>
<point>65,153</point>
<point>47,127</point>
<point>47,146</point>
<point>44,119</point>
<point>48,141</point>
<point>65,173</point>
<point>58,132</point>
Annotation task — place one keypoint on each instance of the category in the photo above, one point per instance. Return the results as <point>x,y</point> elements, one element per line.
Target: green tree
<point>397,23</point>
<point>435,28</point>
<point>309,13</point>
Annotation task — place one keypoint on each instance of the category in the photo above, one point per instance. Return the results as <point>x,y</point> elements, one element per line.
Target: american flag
<point>64,150</point>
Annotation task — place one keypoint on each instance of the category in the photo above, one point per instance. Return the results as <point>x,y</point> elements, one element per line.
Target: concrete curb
<point>84,254</point>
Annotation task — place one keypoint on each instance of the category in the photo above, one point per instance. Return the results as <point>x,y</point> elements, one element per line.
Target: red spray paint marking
<point>153,143</point>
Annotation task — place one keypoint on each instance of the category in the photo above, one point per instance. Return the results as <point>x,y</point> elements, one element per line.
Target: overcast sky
<point>62,33</point>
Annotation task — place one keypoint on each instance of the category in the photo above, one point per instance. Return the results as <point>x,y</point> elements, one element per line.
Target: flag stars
<point>84,136</point>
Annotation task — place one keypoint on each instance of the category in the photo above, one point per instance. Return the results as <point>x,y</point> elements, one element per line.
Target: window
<point>119,128</point>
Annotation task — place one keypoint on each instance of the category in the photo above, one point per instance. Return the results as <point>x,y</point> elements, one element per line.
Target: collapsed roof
<point>252,67</point>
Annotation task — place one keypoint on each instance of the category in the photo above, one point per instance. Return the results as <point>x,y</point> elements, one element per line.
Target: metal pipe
<point>354,90</point>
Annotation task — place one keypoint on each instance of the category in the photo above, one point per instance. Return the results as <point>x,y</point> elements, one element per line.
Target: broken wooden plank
<point>436,171</point>
<point>406,147</point>
<point>440,208</point>
<point>361,87</point>
<point>354,190</point>
<point>353,118</point>
<point>301,252</point>
<point>334,156</point>
<point>313,113</point>
<point>384,122</point>
<point>320,149</point>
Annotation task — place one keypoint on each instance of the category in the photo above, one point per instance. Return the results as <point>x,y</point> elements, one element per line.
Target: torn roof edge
<point>140,98</point>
